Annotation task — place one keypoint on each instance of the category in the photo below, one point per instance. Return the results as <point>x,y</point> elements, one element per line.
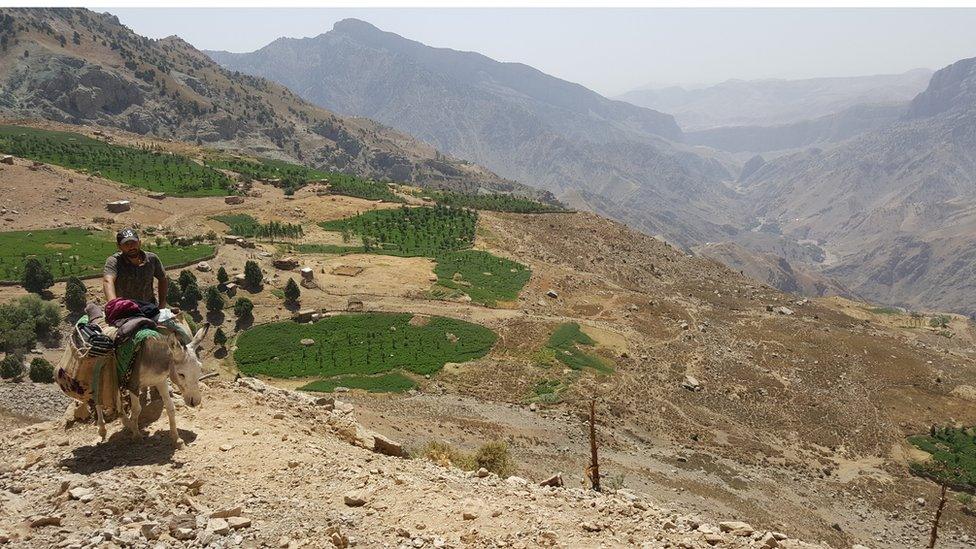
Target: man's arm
<point>108,278</point>
<point>163,289</point>
<point>162,283</point>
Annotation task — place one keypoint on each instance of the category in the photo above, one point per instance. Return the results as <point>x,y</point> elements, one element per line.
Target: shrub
<point>253,275</point>
<point>243,308</point>
<point>446,455</point>
<point>222,277</point>
<point>41,371</point>
<point>12,366</point>
<point>25,320</point>
<point>495,457</point>
<point>292,293</point>
<point>186,277</point>
<point>36,277</point>
<point>174,296</point>
<point>215,301</point>
<point>191,296</point>
<point>220,338</point>
<point>75,295</point>
<point>939,321</point>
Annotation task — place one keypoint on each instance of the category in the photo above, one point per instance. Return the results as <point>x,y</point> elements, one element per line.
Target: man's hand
<point>163,284</point>
<point>108,286</point>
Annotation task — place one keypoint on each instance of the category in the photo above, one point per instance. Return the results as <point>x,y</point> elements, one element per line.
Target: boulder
<point>784,310</point>
<point>307,342</point>
<point>385,446</point>
<point>230,289</point>
<point>736,528</point>
<point>7,159</point>
<point>118,206</point>
<point>554,481</point>
<point>157,196</point>
<point>355,498</point>
<point>691,383</point>
<point>552,294</point>
<point>304,315</point>
<point>285,263</point>
<point>233,199</point>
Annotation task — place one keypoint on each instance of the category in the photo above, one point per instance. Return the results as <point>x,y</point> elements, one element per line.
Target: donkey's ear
<point>199,335</point>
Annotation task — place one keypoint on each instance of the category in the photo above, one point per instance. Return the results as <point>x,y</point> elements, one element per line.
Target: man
<point>130,271</point>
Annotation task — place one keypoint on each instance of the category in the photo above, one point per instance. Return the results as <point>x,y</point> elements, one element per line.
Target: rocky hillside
<point>512,118</point>
<point>894,208</point>
<point>777,102</point>
<point>81,67</point>
<point>827,129</point>
<point>302,473</point>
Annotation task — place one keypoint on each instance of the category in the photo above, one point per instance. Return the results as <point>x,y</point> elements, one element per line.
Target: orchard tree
<point>174,296</point>
<point>253,275</point>
<point>220,338</point>
<point>292,293</point>
<point>215,302</point>
<point>37,277</point>
<point>191,296</point>
<point>222,277</point>
<point>75,295</point>
<point>243,308</point>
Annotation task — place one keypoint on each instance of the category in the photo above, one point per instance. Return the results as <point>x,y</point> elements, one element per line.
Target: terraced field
<point>293,176</point>
<point>491,202</point>
<point>150,169</point>
<point>360,350</point>
<point>569,344</point>
<point>78,252</point>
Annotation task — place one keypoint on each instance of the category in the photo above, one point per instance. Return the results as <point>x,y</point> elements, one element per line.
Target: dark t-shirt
<point>135,282</point>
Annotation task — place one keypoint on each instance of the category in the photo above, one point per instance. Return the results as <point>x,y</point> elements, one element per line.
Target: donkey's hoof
<point>177,442</point>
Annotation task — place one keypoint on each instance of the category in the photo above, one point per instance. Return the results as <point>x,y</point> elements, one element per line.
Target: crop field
<point>410,232</point>
<point>566,342</point>
<point>145,168</point>
<point>294,176</point>
<point>491,202</point>
<point>383,383</point>
<point>953,456</point>
<point>486,278</point>
<point>246,226</point>
<point>360,345</point>
<point>77,252</point>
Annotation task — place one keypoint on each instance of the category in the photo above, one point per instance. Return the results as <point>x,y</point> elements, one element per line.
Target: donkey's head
<point>186,369</point>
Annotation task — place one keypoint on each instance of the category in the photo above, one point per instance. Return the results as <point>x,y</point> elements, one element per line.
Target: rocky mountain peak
<point>951,87</point>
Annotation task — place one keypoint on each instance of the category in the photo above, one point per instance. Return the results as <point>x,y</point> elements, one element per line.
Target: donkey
<point>162,359</point>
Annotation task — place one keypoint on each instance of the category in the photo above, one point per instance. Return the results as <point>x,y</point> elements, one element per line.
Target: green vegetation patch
<point>246,226</point>
<point>383,383</point>
<point>886,310</point>
<point>294,176</point>
<point>78,252</point>
<point>953,456</point>
<point>484,277</point>
<point>146,168</point>
<point>491,202</point>
<point>566,342</point>
<point>409,232</point>
<point>360,345</point>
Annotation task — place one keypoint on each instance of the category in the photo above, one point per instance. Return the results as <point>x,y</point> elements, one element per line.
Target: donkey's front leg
<point>135,408</point>
<point>163,389</point>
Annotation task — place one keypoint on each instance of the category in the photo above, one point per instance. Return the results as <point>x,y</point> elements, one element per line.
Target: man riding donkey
<point>146,345</point>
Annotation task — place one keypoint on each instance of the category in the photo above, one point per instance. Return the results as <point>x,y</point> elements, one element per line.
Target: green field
<point>173,174</point>
<point>491,202</point>
<point>409,232</point>
<point>77,252</point>
<point>294,176</point>
<point>382,383</point>
<point>359,345</point>
<point>567,341</point>
<point>953,456</point>
<point>486,278</point>
<point>246,226</point>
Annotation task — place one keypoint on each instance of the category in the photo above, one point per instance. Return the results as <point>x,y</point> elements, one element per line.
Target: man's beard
<point>133,253</point>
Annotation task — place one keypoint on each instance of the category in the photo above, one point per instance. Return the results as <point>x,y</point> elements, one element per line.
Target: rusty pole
<point>594,458</point>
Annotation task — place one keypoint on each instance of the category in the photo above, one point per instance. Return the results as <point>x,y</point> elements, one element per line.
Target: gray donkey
<point>162,359</point>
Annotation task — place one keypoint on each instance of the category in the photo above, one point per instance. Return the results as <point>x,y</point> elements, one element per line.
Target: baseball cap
<point>126,235</point>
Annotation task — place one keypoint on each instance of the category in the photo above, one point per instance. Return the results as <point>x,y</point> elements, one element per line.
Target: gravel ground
<point>40,401</point>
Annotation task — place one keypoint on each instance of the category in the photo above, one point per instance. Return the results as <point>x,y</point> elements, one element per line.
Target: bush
<point>75,295</point>
<point>220,338</point>
<point>41,371</point>
<point>215,301</point>
<point>186,277</point>
<point>191,296</point>
<point>292,293</point>
<point>495,457</point>
<point>25,320</point>
<point>36,277</point>
<point>243,308</point>
<point>222,277</point>
<point>12,366</point>
<point>174,296</point>
<point>939,321</point>
<point>253,275</point>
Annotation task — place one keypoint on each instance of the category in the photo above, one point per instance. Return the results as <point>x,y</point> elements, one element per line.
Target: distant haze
<point>616,50</point>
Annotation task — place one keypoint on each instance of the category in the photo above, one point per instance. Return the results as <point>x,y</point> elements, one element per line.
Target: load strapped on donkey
<point>129,347</point>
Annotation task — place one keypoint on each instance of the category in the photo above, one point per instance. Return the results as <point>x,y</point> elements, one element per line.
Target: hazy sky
<point>614,50</point>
